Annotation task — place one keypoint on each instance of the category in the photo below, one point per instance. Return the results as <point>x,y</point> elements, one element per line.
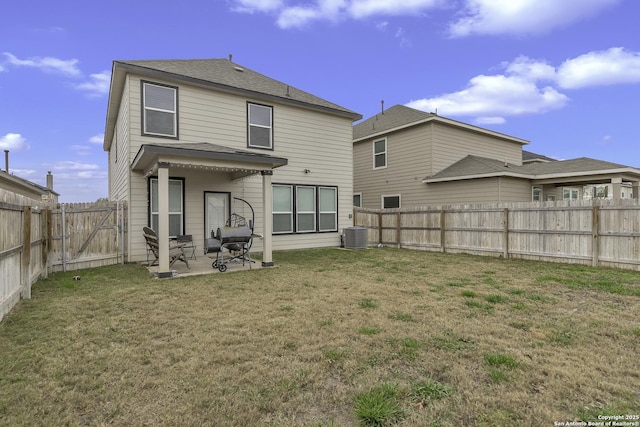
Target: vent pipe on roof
<point>6,160</point>
<point>382,102</point>
<point>230,57</point>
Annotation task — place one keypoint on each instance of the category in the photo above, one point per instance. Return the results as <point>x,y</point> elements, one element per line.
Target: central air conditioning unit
<point>356,238</point>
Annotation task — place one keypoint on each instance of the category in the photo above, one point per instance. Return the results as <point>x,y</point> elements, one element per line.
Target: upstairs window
<point>260,132</point>
<point>159,110</point>
<point>380,154</point>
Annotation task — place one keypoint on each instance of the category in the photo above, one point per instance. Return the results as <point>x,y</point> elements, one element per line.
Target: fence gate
<point>85,235</point>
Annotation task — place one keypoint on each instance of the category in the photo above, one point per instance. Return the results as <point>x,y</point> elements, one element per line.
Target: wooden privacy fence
<point>85,235</point>
<point>36,240</point>
<point>595,232</point>
<point>23,251</point>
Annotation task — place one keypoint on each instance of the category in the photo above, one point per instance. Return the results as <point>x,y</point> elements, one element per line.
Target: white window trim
<point>145,108</point>
<point>570,190</point>
<point>290,212</point>
<point>250,125</point>
<point>385,152</point>
<point>180,213</point>
<point>334,212</point>
<point>313,212</point>
<point>390,195</point>
<point>533,191</point>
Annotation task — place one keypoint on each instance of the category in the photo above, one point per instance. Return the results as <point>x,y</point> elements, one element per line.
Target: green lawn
<point>328,337</point>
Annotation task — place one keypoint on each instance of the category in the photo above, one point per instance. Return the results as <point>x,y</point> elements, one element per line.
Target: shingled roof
<point>226,74</point>
<point>218,74</point>
<point>391,118</point>
<point>399,117</point>
<point>479,167</point>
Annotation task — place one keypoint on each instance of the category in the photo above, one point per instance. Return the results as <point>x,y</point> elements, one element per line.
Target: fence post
<point>379,227</point>
<point>25,273</point>
<point>45,224</point>
<point>398,237</point>
<point>506,233</point>
<point>442,230</point>
<point>595,228</point>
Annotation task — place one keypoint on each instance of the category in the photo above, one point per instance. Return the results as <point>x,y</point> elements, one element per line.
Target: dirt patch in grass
<point>320,340</point>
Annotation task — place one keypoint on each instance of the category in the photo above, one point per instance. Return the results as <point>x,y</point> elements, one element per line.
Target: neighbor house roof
<point>218,74</point>
<point>24,184</point>
<point>401,117</point>
<point>529,157</point>
<point>472,167</point>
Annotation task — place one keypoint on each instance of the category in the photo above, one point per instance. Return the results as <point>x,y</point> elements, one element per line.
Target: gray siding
<point>451,144</point>
<point>420,151</point>
<point>408,162</point>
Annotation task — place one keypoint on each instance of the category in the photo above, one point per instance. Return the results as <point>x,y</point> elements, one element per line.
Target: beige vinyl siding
<point>309,140</point>
<point>514,190</point>
<point>408,162</point>
<point>119,161</point>
<point>451,144</point>
<point>322,144</point>
<point>485,190</point>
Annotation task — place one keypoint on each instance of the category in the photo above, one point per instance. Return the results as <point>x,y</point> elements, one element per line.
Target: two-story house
<point>405,157</point>
<point>188,138</point>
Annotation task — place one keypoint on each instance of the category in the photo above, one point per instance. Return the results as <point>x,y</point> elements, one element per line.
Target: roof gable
<point>391,118</point>
<point>216,74</point>
<point>400,117</point>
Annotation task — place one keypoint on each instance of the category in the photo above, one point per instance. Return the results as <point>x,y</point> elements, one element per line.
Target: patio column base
<point>165,275</point>
<point>268,264</point>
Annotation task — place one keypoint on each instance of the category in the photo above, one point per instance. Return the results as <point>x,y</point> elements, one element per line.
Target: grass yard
<point>328,337</point>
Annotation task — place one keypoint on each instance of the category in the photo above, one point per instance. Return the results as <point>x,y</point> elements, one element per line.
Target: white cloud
<point>490,120</point>
<point>467,17</point>
<point>47,64</point>
<point>14,141</point>
<point>523,17</point>
<point>97,139</point>
<point>298,14</point>
<point>600,68</point>
<point>365,8</point>
<point>252,6</point>
<point>490,98</point>
<point>67,166</point>
<point>401,35</point>
<point>97,85</point>
<point>29,174</point>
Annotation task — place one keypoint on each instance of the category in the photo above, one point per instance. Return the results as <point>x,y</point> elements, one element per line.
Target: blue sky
<point>564,75</point>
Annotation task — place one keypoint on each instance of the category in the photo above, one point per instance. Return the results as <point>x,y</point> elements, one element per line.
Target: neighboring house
<point>186,137</point>
<point>39,194</point>
<point>405,157</point>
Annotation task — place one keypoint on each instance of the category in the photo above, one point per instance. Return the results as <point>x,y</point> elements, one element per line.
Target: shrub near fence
<point>595,232</point>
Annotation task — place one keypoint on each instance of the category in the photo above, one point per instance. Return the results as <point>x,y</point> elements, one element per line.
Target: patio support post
<point>267,204</point>
<point>163,220</point>
<point>635,187</point>
<point>617,187</point>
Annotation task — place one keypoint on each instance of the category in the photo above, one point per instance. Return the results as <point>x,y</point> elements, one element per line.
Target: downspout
<point>122,230</point>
